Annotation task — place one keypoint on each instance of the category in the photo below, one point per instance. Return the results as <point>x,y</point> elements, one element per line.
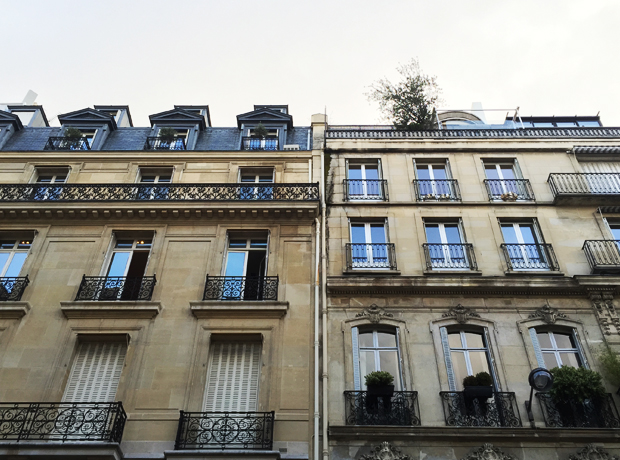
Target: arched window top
<point>557,347</point>
<point>376,348</point>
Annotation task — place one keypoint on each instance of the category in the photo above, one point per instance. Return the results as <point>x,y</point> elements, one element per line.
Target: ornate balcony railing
<point>225,430</point>
<point>365,189</point>
<point>104,288</point>
<point>158,143</point>
<point>437,190</point>
<point>500,410</point>
<point>530,257</point>
<point>12,288</point>
<point>371,256</point>
<point>509,189</point>
<point>364,409</point>
<point>450,256</point>
<point>584,184</point>
<point>66,422</point>
<point>593,413</point>
<point>241,288</point>
<point>603,255</point>
<point>67,143</point>
<point>254,143</point>
<point>157,192</point>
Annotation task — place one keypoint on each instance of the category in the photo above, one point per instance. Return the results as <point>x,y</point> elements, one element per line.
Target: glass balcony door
<point>505,175</point>
<point>256,193</point>
<point>526,251</point>
<point>364,181</point>
<point>446,248</point>
<point>369,248</point>
<point>50,193</point>
<point>433,179</point>
<point>469,354</point>
<point>245,268</point>
<point>377,350</point>
<point>154,193</point>
<point>126,268</point>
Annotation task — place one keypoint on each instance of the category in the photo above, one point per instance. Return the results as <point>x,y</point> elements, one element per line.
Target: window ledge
<point>533,273</point>
<point>453,272</point>
<point>13,310</point>
<point>249,454</point>
<point>111,309</point>
<point>238,308</point>
<point>377,272</point>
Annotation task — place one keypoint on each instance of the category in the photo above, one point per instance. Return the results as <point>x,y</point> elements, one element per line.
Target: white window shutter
<point>96,372</point>
<point>356,359</point>
<point>537,351</point>
<point>584,360</point>
<point>233,376</point>
<point>448,358</point>
<point>492,364</point>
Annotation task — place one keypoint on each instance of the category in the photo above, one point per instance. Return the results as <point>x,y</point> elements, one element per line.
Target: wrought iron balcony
<point>12,288</point>
<point>585,184</point>
<point>256,143</point>
<point>500,410</point>
<point>363,409</point>
<point>66,422</point>
<point>593,413</point>
<point>157,192</point>
<point>509,189</point>
<point>225,430</point>
<point>365,189</point>
<point>450,256</point>
<point>67,143</point>
<point>437,190</point>
<point>159,143</point>
<point>530,257</point>
<point>371,256</point>
<point>603,255</point>
<point>111,288</point>
<point>241,288</point>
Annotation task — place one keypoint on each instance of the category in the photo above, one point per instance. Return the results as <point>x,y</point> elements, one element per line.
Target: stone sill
<point>533,273</point>
<point>119,309</point>
<point>222,454</point>
<point>13,310</point>
<point>239,308</point>
<point>78,450</point>
<point>453,272</point>
<point>377,272</point>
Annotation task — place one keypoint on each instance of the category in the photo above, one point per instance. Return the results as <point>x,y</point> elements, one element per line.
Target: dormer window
<point>265,128</point>
<point>176,129</point>
<point>85,129</point>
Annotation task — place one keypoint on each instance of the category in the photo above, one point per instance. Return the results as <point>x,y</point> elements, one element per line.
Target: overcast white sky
<point>550,57</point>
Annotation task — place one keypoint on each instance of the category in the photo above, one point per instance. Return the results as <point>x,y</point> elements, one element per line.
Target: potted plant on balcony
<point>72,138</point>
<point>380,383</point>
<point>577,394</point>
<point>509,196</point>
<point>479,386</point>
<point>260,131</point>
<point>167,136</point>
<point>610,365</point>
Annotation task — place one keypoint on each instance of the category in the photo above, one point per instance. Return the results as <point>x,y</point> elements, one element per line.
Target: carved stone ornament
<point>385,451</point>
<point>547,314</point>
<point>374,314</point>
<point>592,452</point>
<point>461,313</point>
<point>603,303</point>
<point>488,452</point>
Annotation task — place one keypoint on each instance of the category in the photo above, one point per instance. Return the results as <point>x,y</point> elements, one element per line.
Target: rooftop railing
<point>437,190</point>
<point>450,256</point>
<point>603,255</point>
<point>241,288</point>
<point>365,189</point>
<point>500,410</point>
<point>584,184</point>
<point>159,143</point>
<point>364,409</point>
<point>530,257</point>
<point>389,132</point>
<point>255,143</point>
<point>509,189</point>
<point>593,413</point>
<point>67,143</point>
<point>111,288</point>
<point>12,288</point>
<point>371,256</point>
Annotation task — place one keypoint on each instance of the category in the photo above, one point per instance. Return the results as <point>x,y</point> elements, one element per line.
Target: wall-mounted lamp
<point>541,380</point>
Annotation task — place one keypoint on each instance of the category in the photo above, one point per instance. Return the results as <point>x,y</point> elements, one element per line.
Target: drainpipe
<point>317,280</point>
<point>324,299</point>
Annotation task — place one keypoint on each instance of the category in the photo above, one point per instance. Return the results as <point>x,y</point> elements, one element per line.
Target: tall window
<point>154,176</point>
<point>364,181</point>
<point>256,176</point>
<point>505,181</point>
<point>369,248</point>
<point>466,353</point>
<point>445,245</point>
<point>614,228</point>
<point>434,181</point>
<point>126,268</point>
<point>50,176</point>
<point>556,349</point>
<point>13,254</point>
<point>525,246</point>
<point>376,350</point>
<point>245,267</point>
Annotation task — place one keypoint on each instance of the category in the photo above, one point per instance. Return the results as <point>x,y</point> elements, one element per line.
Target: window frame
<point>105,269</point>
<point>248,236</point>
<point>12,252</point>
<point>365,196</point>
<point>357,349</point>
<point>540,351</point>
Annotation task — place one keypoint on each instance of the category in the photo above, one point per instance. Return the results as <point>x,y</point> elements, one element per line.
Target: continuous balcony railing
<point>365,189</point>
<point>109,288</point>
<point>12,288</point>
<point>67,143</point>
<point>594,413</point>
<point>509,189</point>
<point>255,143</point>
<point>500,410</point>
<point>66,422</point>
<point>437,190</point>
<point>364,409</point>
<point>241,288</point>
<point>371,256</point>
<point>584,184</point>
<point>157,192</point>
<point>225,430</point>
<point>450,256</point>
<point>159,143</point>
<point>530,257</point>
<point>603,255</point>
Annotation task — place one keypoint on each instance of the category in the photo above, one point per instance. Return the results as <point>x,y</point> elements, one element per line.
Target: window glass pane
<point>564,340</point>
<point>144,243</point>
<point>24,244</point>
<point>543,339</point>
<point>4,256</point>
<point>147,179</point>
<point>16,264</point>
<point>566,124</point>
<point>235,265</point>
<point>550,361</point>
<point>386,339</point>
<point>454,339</point>
<point>124,243</point>
<point>258,243</point>
<point>491,171</point>
<point>439,172</point>
<point>527,233</point>
<point>570,359</point>
<point>474,340</point>
<point>7,244</point>
<point>507,171</point>
<point>166,178</point>
<point>389,363</point>
<point>45,179</point>
<point>372,172</point>
<point>60,178</point>
<point>589,123</point>
<point>355,171</point>
<point>377,233</point>
<point>358,233</point>
<point>459,367</point>
<point>479,362</point>
<point>510,237</point>
<point>237,243</point>
<point>423,172</point>
<point>248,178</point>
<point>432,234</point>
<point>543,124</point>
<point>268,178</point>
<point>365,340</point>
<point>118,263</point>
<point>453,235</point>
<point>367,363</point>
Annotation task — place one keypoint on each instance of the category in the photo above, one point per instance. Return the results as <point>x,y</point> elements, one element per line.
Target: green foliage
<point>410,103</point>
<point>167,134</point>
<point>481,379</point>
<point>575,384</point>
<point>610,364</point>
<point>73,133</point>
<point>260,131</point>
<point>379,378</point>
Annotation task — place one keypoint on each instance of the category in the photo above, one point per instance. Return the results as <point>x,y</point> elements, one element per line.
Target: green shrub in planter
<point>379,378</point>
<point>470,381</point>
<point>73,133</point>
<point>575,384</point>
<point>260,131</point>
<point>484,379</point>
<point>167,134</point>
<point>610,364</point>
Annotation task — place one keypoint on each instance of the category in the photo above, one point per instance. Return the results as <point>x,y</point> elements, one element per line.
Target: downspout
<point>324,300</point>
<point>317,281</point>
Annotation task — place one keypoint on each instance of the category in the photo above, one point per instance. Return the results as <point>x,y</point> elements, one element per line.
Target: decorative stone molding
<point>461,313</point>
<point>592,452</point>
<point>385,451</point>
<point>606,314</point>
<point>488,452</point>
<point>547,314</point>
<point>374,314</point>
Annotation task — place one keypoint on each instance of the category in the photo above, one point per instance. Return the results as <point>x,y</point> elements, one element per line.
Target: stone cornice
<point>238,309</point>
<point>110,309</point>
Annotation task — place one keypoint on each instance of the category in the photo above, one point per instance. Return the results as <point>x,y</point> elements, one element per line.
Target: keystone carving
<point>603,304</point>
<point>547,314</point>
<point>374,314</point>
<point>385,451</point>
<point>591,452</point>
<point>488,452</point>
<point>461,313</point>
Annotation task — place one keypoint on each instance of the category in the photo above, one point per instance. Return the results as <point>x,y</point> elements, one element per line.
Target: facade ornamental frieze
<point>488,452</point>
<point>385,451</point>
<point>606,314</point>
<point>374,314</point>
<point>547,314</point>
<point>592,452</point>
<point>461,313</point>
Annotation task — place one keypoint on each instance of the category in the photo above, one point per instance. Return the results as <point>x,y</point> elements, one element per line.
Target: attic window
<point>271,132</point>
